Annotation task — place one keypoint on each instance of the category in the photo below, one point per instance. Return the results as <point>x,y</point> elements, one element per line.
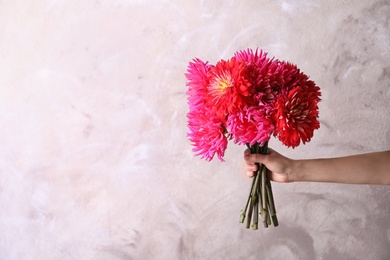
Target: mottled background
<point>94,159</point>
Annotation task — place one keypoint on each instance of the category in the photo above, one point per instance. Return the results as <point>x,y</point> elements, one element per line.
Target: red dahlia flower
<point>229,88</point>
<point>207,133</point>
<point>296,116</point>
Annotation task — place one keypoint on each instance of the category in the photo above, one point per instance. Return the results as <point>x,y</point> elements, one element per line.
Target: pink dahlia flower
<point>197,81</point>
<point>207,133</point>
<point>251,125</point>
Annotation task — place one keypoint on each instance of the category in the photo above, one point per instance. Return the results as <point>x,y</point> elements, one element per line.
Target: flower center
<point>223,83</point>
<point>296,112</point>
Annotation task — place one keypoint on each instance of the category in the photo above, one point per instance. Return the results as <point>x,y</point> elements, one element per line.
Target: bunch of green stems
<point>260,200</point>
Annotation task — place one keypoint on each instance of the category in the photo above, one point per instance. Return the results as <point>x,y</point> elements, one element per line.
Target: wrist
<point>293,172</point>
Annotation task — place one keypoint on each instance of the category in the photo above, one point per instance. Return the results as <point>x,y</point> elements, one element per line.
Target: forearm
<point>370,168</point>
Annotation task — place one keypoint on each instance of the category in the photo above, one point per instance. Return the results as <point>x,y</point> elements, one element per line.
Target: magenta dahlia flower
<point>207,133</point>
<point>251,125</point>
<point>197,82</point>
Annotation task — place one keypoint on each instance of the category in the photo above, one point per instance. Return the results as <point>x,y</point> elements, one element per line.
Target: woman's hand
<point>279,166</point>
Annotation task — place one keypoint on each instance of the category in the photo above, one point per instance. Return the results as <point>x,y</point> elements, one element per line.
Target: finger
<point>251,167</point>
<point>247,155</point>
<point>250,174</point>
<point>247,158</point>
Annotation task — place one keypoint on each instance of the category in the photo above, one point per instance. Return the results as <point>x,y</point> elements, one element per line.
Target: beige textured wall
<point>94,160</point>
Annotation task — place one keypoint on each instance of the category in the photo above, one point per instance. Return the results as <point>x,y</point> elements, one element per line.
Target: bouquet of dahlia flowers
<point>247,99</point>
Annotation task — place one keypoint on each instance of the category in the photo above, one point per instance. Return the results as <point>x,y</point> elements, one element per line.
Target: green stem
<point>272,204</point>
<point>243,213</point>
<point>264,196</point>
<point>255,215</point>
<point>248,220</point>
